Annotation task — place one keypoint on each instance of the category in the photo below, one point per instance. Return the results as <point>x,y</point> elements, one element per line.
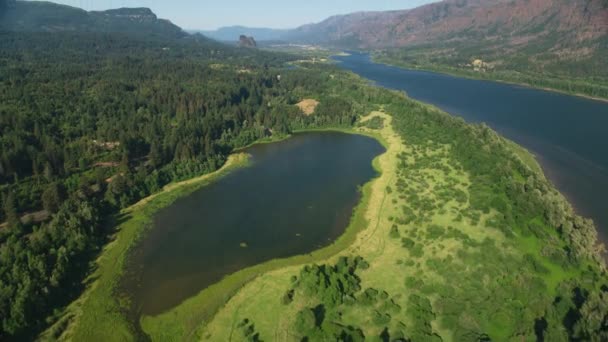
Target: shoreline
<point>545,170</point>
<point>551,175</point>
<point>471,77</point>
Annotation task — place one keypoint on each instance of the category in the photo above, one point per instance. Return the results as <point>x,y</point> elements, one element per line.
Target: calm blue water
<point>297,196</point>
<point>568,134</point>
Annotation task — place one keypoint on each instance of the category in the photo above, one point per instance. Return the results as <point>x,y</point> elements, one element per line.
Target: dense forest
<point>91,123</point>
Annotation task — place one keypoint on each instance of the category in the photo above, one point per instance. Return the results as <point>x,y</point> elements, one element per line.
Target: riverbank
<point>98,315</point>
<point>482,77</point>
<point>188,320</point>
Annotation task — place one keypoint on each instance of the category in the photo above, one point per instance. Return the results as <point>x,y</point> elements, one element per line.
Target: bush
<point>394,233</point>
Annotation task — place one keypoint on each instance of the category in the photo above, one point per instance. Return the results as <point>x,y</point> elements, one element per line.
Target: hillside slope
<point>514,22</point>
<point>35,16</point>
<point>559,38</point>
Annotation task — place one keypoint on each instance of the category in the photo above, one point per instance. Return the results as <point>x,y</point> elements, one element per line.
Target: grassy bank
<point>542,82</point>
<point>268,140</point>
<point>188,320</point>
<point>98,315</point>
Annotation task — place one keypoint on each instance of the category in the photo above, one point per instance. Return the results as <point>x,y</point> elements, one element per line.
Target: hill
<point>35,16</point>
<point>556,38</point>
<point>461,20</point>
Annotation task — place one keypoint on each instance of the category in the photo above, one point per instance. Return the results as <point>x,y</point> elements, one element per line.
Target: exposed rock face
<point>245,41</point>
<point>131,13</point>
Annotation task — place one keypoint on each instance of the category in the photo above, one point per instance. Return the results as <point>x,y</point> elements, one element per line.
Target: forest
<point>91,123</point>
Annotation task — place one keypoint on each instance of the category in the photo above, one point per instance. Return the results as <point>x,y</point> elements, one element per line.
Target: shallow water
<point>297,196</point>
<point>568,134</point>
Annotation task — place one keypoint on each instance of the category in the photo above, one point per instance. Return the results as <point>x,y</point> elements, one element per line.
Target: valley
<point>283,185</point>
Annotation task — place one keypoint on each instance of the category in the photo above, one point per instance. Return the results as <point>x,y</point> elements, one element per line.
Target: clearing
<point>308,106</point>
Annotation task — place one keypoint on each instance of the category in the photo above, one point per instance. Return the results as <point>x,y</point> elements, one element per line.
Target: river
<point>567,134</point>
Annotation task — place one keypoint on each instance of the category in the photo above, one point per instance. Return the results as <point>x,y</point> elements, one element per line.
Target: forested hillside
<point>42,16</point>
<point>90,123</point>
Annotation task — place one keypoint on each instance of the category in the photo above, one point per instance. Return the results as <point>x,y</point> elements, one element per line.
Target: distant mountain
<point>514,22</point>
<point>38,16</point>
<point>561,36</point>
<point>232,33</point>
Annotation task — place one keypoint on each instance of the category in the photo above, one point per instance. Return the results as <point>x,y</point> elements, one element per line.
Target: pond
<point>297,196</point>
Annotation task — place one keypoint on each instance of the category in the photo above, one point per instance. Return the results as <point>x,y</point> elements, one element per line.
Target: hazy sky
<point>211,14</point>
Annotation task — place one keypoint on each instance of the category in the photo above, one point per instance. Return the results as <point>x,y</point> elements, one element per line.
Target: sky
<point>212,14</point>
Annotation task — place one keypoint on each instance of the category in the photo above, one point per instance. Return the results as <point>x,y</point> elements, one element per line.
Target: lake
<point>297,196</point>
<point>568,134</point>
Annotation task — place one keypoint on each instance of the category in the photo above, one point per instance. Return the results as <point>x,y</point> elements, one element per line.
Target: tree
<point>10,210</point>
<point>48,171</point>
<point>52,197</point>
<point>305,321</point>
<point>593,322</point>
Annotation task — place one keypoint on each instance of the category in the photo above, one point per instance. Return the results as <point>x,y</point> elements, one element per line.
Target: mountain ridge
<point>440,20</point>
<point>557,38</point>
<point>42,16</point>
